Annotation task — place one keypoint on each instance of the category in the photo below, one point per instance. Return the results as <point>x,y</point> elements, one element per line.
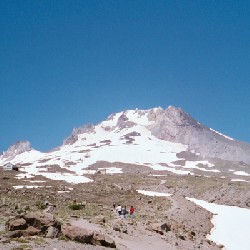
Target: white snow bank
<point>88,171</point>
<point>112,170</point>
<point>158,175</point>
<point>36,181</point>
<point>231,225</point>
<point>170,169</point>
<point>239,180</point>
<point>241,173</point>
<point>152,193</point>
<point>70,178</point>
<point>28,186</point>
<point>140,119</point>
<point>21,176</point>
<point>194,164</point>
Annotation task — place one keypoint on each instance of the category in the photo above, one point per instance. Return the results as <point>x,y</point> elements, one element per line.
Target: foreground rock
<point>78,234</point>
<point>120,226</point>
<point>87,236</point>
<point>42,221</point>
<point>17,224</point>
<point>158,227</point>
<point>34,223</point>
<point>100,219</point>
<point>103,240</point>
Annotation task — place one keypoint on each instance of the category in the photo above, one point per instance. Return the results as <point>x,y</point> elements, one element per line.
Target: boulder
<point>120,226</point>
<point>124,229</point>
<point>16,224</point>
<point>49,209</point>
<point>158,227</point>
<point>42,220</point>
<point>31,231</point>
<point>100,219</point>
<point>79,234</point>
<point>117,225</point>
<point>34,223</point>
<point>16,234</point>
<point>52,232</point>
<point>103,240</point>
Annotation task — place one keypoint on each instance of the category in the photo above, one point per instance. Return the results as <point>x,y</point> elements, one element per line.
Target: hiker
<point>119,210</point>
<point>131,212</point>
<point>114,205</point>
<point>124,212</point>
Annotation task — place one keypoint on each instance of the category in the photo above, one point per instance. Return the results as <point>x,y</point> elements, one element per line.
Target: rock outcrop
<point>88,236</point>
<point>16,149</point>
<point>175,125</point>
<point>89,128</point>
<point>78,234</point>
<point>34,223</point>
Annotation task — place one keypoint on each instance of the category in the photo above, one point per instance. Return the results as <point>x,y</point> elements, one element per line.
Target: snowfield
<point>231,225</point>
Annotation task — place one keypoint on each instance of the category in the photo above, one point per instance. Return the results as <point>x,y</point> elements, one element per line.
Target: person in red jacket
<point>131,212</point>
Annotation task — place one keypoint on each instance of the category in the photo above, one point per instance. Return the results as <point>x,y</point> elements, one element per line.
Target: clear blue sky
<point>67,63</point>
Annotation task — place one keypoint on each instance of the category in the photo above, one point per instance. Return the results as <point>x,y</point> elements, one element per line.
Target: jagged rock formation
<point>173,124</point>
<point>17,148</point>
<point>89,128</point>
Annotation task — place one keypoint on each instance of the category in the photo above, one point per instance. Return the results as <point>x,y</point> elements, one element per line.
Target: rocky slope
<point>173,124</point>
<point>160,222</point>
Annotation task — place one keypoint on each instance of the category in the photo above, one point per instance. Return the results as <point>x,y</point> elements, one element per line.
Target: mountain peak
<point>174,109</point>
<point>17,148</point>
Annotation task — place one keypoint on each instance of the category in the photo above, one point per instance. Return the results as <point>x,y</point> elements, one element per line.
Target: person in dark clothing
<point>124,212</point>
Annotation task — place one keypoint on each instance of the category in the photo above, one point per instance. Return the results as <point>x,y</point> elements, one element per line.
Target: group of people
<point>122,211</point>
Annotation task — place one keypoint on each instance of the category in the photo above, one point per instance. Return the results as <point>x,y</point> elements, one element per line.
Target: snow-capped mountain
<point>155,138</point>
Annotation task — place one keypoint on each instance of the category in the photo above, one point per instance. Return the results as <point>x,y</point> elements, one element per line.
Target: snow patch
<point>239,180</point>
<point>29,186</point>
<point>112,170</point>
<point>241,173</point>
<point>137,118</point>
<point>231,225</point>
<point>152,193</point>
<point>22,176</point>
<point>70,178</point>
<point>194,164</point>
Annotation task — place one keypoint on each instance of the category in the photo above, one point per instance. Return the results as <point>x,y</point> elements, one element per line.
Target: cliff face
<point>174,125</point>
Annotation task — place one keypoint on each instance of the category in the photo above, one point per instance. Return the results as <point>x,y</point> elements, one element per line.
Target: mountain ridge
<point>171,125</point>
